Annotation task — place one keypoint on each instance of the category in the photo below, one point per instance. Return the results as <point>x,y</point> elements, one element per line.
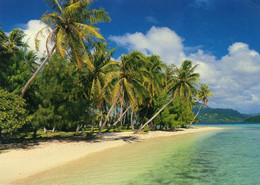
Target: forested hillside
<point>218,115</point>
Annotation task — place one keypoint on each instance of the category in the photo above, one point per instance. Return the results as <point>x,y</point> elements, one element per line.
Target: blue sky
<point>222,36</point>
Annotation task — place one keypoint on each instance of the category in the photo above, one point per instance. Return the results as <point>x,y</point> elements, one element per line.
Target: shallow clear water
<point>230,156</point>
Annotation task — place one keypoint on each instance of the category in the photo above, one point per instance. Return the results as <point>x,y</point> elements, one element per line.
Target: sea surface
<point>228,156</point>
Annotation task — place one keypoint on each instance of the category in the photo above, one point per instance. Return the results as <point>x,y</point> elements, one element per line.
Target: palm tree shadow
<point>31,143</point>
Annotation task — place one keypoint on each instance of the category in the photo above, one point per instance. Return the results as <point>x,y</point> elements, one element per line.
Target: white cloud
<point>31,29</point>
<point>234,79</point>
<point>160,41</point>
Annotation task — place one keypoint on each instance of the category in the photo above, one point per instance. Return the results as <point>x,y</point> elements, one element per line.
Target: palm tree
<point>10,46</point>
<point>203,95</point>
<point>127,82</point>
<point>101,64</point>
<point>30,58</point>
<point>15,40</point>
<point>185,81</point>
<point>72,25</point>
<point>169,77</point>
<point>155,67</point>
<point>154,81</point>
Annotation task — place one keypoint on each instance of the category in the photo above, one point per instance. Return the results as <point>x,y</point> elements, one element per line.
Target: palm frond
<point>54,5</point>
<point>61,42</point>
<point>89,31</point>
<point>95,16</point>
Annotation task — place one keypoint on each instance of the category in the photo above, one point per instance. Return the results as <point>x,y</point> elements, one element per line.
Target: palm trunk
<point>118,119</point>
<point>101,115</point>
<point>92,125</point>
<point>77,129</point>
<point>108,114</point>
<point>44,130</point>
<point>122,107</point>
<point>83,130</point>
<point>34,133</point>
<point>195,116</point>
<point>136,132</point>
<point>35,73</point>
<point>115,114</point>
<point>132,123</point>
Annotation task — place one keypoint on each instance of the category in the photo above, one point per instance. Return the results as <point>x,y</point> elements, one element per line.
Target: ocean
<point>228,156</point>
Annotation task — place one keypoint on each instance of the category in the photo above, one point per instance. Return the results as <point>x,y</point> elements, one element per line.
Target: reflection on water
<point>219,157</point>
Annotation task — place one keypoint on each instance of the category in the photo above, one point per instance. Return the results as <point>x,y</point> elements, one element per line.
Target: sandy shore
<point>21,163</point>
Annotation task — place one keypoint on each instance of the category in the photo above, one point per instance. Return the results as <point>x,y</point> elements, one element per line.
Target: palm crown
<point>73,28</point>
<point>185,81</point>
<point>204,93</point>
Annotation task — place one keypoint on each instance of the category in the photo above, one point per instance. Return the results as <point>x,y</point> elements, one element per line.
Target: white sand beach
<point>17,164</point>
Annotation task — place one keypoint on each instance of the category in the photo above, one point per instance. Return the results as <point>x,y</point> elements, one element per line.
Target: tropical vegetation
<point>253,119</point>
<point>218,115</point>
<point>79,88</point>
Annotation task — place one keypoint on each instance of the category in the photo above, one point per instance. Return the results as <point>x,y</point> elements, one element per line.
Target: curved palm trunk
<point>36,73</point>
<point>114,124</point>
<point>195,116</point>
<point>108,114</point>
<point>136,132</point>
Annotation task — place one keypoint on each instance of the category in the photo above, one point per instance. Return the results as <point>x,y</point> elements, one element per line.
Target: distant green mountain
<point>217,115</point>
<point>253,119</point>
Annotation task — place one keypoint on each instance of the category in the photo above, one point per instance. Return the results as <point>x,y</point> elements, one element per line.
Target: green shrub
<point>12,113</point>
<point>146,129</point>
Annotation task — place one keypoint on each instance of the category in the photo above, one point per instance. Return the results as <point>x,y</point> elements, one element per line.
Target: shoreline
<point>18,164</point>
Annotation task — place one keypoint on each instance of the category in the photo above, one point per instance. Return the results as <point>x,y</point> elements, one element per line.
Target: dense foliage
<point>217,115</point>
<point>12,113</point>
<point>78,85</point>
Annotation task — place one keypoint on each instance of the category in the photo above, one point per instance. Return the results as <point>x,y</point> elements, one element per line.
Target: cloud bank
<point>234,79</point>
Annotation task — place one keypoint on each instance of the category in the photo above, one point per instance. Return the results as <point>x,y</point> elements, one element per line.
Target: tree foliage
<point>12,113</point>
<point>79,84</point>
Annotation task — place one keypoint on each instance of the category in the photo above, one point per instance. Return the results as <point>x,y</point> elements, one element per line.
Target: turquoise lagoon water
<point>230,156</point>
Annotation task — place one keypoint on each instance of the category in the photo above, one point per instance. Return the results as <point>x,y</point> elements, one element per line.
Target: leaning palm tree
<point>127,82</point>
<point>185,81</point>
<point>203,95</point>
<point>73,29</point>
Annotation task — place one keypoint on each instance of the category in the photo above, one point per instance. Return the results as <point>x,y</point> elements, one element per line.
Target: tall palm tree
<point>127,82</point>
<point>72,25</point>
<point>185,81</point>
<point>154,83</point>
<point>101,64</point>
<point>203,95</point>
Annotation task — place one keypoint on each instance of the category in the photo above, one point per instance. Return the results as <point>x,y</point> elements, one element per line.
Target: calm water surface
<point>230,156</point>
